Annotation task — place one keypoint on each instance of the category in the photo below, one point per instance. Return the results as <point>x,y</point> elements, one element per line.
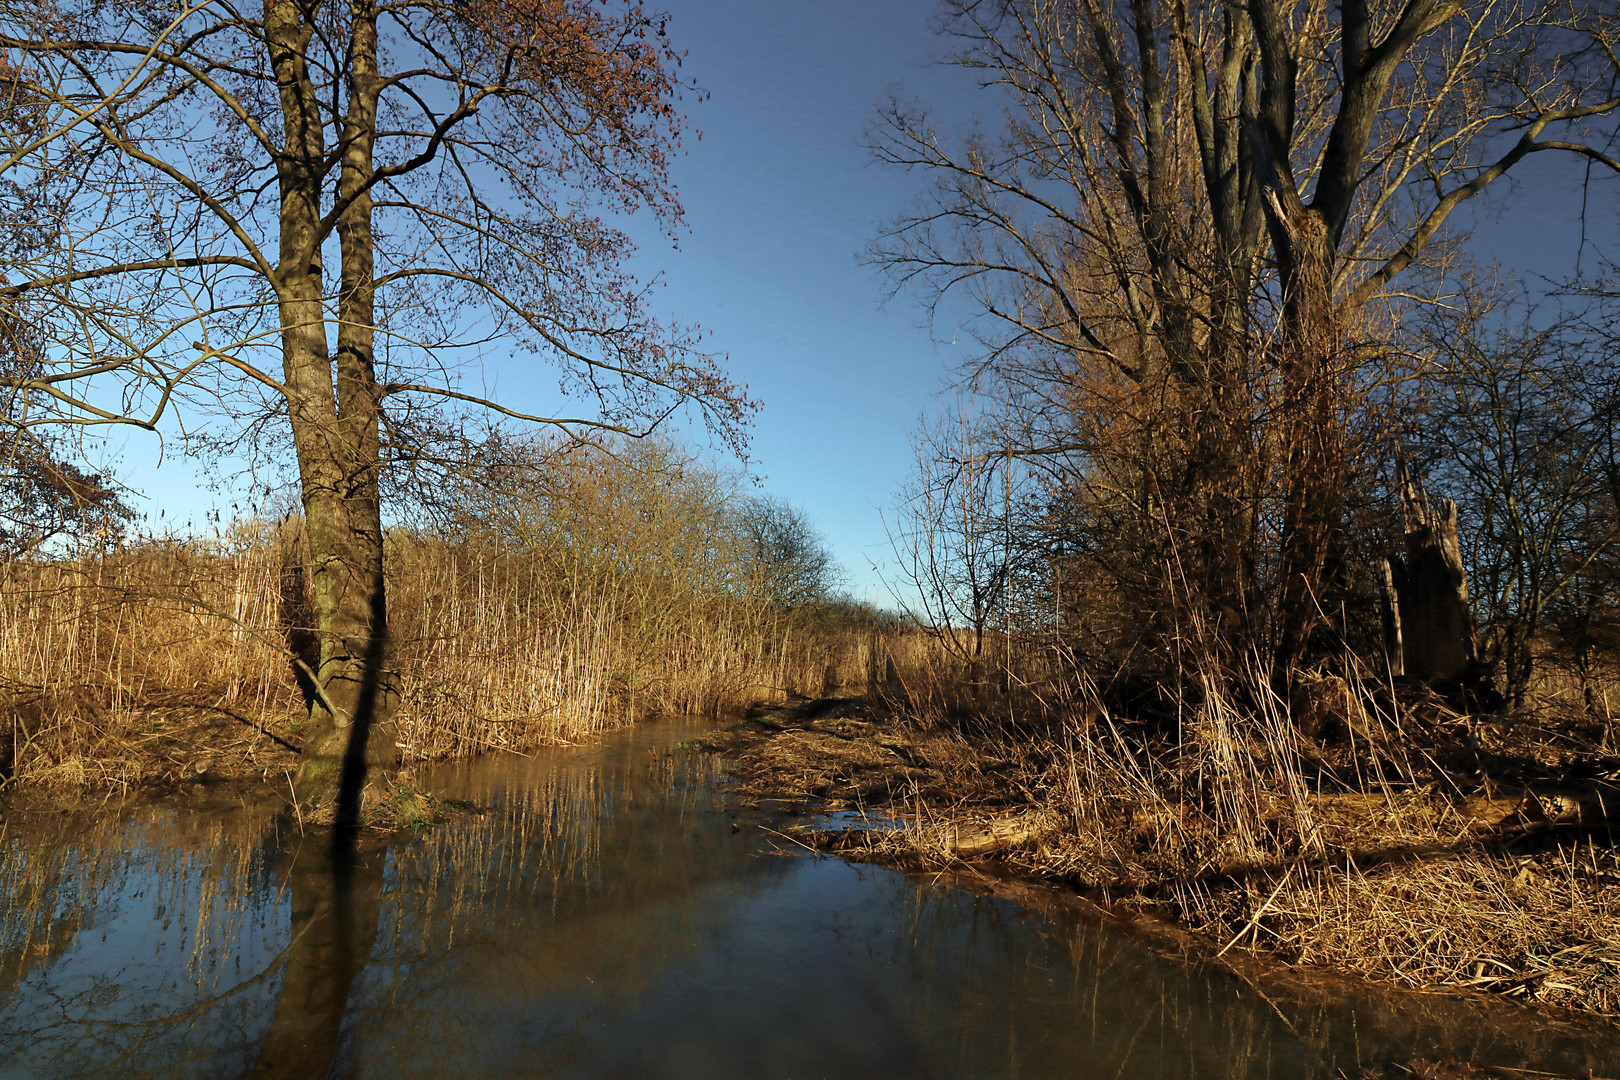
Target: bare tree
<point>43,493</point>
<point>310,211</point>
<point>1518,425</point>
<point>791,563</point>
<point>950,535</point>
<point>1187,227</point>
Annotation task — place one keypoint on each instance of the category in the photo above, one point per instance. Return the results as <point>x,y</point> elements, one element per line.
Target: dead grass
<point>1366,830</point>
<point>168,663</point>
<point>1541,926</point>
<point>138,667</point>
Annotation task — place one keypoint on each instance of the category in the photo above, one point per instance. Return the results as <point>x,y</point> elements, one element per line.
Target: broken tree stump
<point>1429,630</point>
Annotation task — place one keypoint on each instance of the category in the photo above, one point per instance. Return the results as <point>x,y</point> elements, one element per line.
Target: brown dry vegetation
<point>170,661</point>
<point>1154,537</point>
<point>159,663</point>
<point>1373,831</point>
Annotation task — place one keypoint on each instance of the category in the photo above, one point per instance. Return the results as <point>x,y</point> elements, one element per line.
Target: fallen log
<point>1003,834</point>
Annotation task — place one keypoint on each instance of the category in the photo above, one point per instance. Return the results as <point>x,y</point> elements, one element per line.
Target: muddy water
<point>610,916</point>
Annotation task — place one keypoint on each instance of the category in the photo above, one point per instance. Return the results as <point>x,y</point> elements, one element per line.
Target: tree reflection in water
<point>603,919</point>
<point>336,891</point>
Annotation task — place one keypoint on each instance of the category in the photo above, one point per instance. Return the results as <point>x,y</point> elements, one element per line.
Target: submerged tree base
<point>1461,861</point>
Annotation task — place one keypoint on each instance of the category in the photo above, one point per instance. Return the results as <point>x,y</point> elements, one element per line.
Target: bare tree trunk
<point>1313,501</point>
<point>1390,608</point>
<point>371,748</point>
<point>335,427</point>
<point>296,616</point>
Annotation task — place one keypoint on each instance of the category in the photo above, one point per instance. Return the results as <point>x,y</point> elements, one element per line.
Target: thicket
<point>1343,815</point>
<point>1506,409</point>
<point>579,590</point>
<point>1164,541</point>
<point>1219,315</point>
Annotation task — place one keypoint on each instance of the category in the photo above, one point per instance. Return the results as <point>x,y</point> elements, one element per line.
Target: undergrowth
<point>1359,825</point>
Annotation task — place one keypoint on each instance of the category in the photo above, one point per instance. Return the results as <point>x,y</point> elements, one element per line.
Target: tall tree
<point>306,212</point>
<point>1185,229</point>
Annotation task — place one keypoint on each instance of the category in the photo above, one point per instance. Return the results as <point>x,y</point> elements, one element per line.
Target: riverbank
<point>98,740</point>
<point>177,659</point>
<point>606,915</point>
<point>1504,892</point>
<point>965,806</point>
<point>158,747</point>
<point>1498,883</point>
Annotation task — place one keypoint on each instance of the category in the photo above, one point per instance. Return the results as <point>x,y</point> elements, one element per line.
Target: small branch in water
<point>298,811</point>
<point>1255,918</point>
<point>793,840</point>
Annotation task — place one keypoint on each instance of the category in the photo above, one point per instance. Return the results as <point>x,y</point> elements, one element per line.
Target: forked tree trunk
<point>1428,625</point>
<point>334,418</point>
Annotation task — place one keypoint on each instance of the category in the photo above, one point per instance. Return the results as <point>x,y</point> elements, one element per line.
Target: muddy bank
<point>938,795</point>
<point>1519,894</point>
<point>170,750</point>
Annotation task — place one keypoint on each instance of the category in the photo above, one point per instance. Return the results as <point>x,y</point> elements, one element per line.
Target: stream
<point>610,914</point>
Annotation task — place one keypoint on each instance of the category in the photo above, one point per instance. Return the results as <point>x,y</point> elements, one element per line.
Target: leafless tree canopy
<point>494,125</point>
<point>1189,236</point>
<point>312,211</point>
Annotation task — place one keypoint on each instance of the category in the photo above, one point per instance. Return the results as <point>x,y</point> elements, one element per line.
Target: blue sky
<point>781,198</point>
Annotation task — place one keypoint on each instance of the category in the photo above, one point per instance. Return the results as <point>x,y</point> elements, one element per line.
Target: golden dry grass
<point>1382,835</point>
<point>169,662</point>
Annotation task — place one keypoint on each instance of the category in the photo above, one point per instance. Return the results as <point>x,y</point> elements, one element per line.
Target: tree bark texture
<point>334,413</point>
<point>1429,627</point>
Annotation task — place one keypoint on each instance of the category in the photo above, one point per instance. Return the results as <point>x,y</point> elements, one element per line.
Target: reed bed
<point>497,652</point>
<point>170,660</point>
<point>1362,827</point>
<point>125,666</point>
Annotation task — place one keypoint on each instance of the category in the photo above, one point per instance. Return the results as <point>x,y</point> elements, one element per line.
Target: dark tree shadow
<point>375,702</point>
<point>336,900</point>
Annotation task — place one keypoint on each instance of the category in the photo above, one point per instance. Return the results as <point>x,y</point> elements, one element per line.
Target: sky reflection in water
<point>603,919</point>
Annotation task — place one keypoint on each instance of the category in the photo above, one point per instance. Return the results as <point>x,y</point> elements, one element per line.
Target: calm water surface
<point>604,918</point>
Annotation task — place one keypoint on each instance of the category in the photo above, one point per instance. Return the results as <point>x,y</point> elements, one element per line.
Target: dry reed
<point>169,661</point>
<point>1361,827</point>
